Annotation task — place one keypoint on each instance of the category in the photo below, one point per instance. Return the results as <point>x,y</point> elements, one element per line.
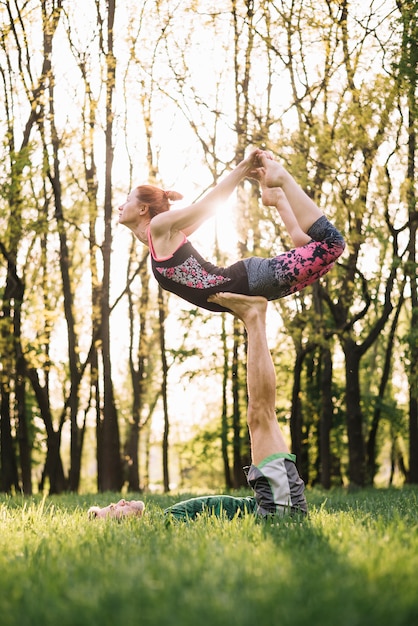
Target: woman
<point>178,266</point>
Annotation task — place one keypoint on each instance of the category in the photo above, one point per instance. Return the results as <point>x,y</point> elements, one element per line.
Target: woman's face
<point>123,508</point>
<point>129,211</point>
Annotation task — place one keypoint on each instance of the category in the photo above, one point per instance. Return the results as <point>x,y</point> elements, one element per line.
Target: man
<point>123,508</point>
<point>273,477</point>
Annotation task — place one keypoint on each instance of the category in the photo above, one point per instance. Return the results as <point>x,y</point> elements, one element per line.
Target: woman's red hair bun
<point>173,195</point>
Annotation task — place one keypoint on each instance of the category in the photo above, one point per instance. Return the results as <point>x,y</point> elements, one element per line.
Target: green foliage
<point>352,562</point>
<point>319,94</point>
<point>201,460</point>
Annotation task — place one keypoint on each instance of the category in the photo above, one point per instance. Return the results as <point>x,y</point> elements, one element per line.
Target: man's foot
<point>244,307</point>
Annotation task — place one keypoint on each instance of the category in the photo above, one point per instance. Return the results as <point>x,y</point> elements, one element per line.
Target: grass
<point>354,561</point>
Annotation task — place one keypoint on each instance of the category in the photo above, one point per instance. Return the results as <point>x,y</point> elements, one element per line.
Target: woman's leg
<point>272,174</point>
<point>296,269</point>
<point>275,196</point>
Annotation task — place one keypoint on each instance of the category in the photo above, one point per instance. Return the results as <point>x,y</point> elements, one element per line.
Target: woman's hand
<point>255,161</point>
<point>251,162</point>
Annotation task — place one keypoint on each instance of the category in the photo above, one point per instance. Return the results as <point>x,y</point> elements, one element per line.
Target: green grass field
<point>354,561</point>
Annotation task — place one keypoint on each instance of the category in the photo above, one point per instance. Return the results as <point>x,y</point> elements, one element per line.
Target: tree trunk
<point>112,479</point>
<point>9,475</point>
<point>161,310</point>
<point>22,429</point>
<point>408,80</point>
<point>356,454</point>
<point>238,474</point>
<point>371,447</point>
<point>8,464</point>
<point>137,371</point>
<point>53,468</point>
<point>296,410</point>
<point>410,53</point>
<point>224,418</point>
<point>413,438</point>
<point>326,418</point>
<point>15,289</point>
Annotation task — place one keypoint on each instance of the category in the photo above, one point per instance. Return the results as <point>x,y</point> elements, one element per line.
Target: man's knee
<point>260,416</point>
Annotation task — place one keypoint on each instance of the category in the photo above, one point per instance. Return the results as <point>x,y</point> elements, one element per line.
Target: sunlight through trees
<point>106,383</point>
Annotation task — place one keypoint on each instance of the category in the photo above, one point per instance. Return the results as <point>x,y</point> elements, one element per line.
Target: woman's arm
<point>188,219</point>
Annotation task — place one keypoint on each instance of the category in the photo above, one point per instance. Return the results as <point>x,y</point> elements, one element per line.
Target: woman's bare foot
<point>274,196</point>
<point>273,174</point>
<point>245,308</point>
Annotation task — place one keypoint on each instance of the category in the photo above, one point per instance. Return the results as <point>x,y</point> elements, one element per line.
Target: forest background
<point>108,383</point>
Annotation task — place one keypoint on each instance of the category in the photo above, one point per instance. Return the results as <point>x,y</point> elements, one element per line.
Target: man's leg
<point>273,476</point>
<point>265,434</point>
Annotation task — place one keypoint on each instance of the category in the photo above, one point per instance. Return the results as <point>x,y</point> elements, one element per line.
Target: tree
<point>339,139</point>
<point>111,477</point>
<point>138,368</point>
<point>89,111</point>
<point>34,88</point>
<point>408,78</point>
